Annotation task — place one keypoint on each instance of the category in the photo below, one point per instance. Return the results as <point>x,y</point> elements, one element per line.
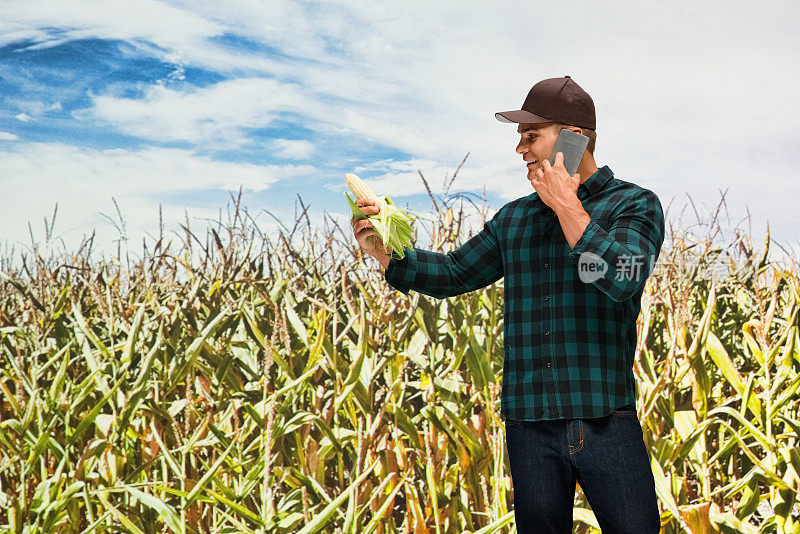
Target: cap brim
<point>520,116</point>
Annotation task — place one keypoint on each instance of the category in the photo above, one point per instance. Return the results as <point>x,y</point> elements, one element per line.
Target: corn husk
<point>392,224</point>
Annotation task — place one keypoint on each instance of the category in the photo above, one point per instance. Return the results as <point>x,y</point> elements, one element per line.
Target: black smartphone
<point>573,145</point>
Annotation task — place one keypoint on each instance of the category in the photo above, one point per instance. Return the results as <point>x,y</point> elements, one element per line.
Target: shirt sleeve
<point>629,248</point>
<point>475,264</point>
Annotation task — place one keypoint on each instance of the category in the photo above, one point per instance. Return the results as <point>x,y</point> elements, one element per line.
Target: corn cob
<point>362,190</point>
<point>358,187</point>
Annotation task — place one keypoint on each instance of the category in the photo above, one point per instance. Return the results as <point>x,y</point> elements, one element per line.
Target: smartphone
<point>573,145</point>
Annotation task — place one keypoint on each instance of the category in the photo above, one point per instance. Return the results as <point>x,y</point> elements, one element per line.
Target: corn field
<point>282,386</point>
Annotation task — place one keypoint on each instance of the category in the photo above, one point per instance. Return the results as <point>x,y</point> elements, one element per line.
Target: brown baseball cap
<point>554,100</point>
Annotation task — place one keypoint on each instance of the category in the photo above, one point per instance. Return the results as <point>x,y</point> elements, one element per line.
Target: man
<point>575,256</point>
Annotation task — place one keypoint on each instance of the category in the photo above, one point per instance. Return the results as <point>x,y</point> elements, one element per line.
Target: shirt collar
<point>595,182</point>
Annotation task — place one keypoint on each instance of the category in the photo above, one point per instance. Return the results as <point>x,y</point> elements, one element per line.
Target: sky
<point>176,105</point>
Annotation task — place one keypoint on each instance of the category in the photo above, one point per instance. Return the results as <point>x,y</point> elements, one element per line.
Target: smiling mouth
<point>532,162</point>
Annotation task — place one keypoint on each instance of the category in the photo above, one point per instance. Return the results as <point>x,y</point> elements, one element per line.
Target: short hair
<point>591,134</point>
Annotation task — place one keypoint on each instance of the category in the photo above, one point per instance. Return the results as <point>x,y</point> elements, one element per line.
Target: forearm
<point>430,273</point>
<point>476,264</point>
<point>624,252</point>
<point>573,220</point>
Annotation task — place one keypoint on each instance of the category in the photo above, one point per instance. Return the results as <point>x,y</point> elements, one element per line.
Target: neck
<point>587,167</point>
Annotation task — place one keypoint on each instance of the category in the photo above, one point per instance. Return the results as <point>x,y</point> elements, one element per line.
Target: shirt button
<point>549,387</point>
<point>548,365</point>
<point>546,265</point>
<point>547,297</point>
<point>547,332</point>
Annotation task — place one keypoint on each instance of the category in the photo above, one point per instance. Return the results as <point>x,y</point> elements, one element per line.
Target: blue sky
<point>180,103</point>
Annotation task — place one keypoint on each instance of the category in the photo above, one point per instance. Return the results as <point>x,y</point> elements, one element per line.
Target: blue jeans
<point>606,455</point>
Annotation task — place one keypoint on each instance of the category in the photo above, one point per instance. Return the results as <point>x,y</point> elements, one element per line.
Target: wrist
<point>571,208</point>
<point>383,259</point>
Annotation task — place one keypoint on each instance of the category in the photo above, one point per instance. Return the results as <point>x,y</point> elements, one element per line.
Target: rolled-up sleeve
<point>475,264</point>
<point>629,248</point>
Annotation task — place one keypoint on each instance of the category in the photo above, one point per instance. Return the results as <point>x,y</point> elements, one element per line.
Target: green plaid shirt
<point>569,314</point>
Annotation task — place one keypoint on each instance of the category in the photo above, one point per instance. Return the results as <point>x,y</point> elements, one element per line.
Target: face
<point>536,144</point>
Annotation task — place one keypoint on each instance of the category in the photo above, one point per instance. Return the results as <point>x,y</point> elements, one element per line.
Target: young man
<point>575,256</point>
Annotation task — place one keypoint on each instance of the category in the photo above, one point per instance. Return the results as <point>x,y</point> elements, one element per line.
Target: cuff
<point>593,239</point>
<point>400,274</point>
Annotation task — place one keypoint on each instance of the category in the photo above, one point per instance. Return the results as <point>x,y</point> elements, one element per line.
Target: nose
<point>520,149</point>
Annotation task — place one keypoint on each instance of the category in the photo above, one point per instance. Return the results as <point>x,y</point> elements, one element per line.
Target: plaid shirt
<point>569,326</point>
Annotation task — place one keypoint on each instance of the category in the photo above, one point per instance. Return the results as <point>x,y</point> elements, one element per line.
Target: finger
<point>546,163</point>
<point>560,159</point>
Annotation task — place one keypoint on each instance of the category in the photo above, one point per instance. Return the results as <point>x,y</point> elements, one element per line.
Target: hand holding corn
<point>368,240</point>
<point>381,228</point>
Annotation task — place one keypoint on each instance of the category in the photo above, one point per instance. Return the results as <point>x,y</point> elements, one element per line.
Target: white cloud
<point>148,171</point>
<point>148,20</point>
<point>220,114</point>
<point>83,182</point>
<point>7,136</point>
<point>216,114</point>
<point>32,109</point>
<point>292,148</point>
